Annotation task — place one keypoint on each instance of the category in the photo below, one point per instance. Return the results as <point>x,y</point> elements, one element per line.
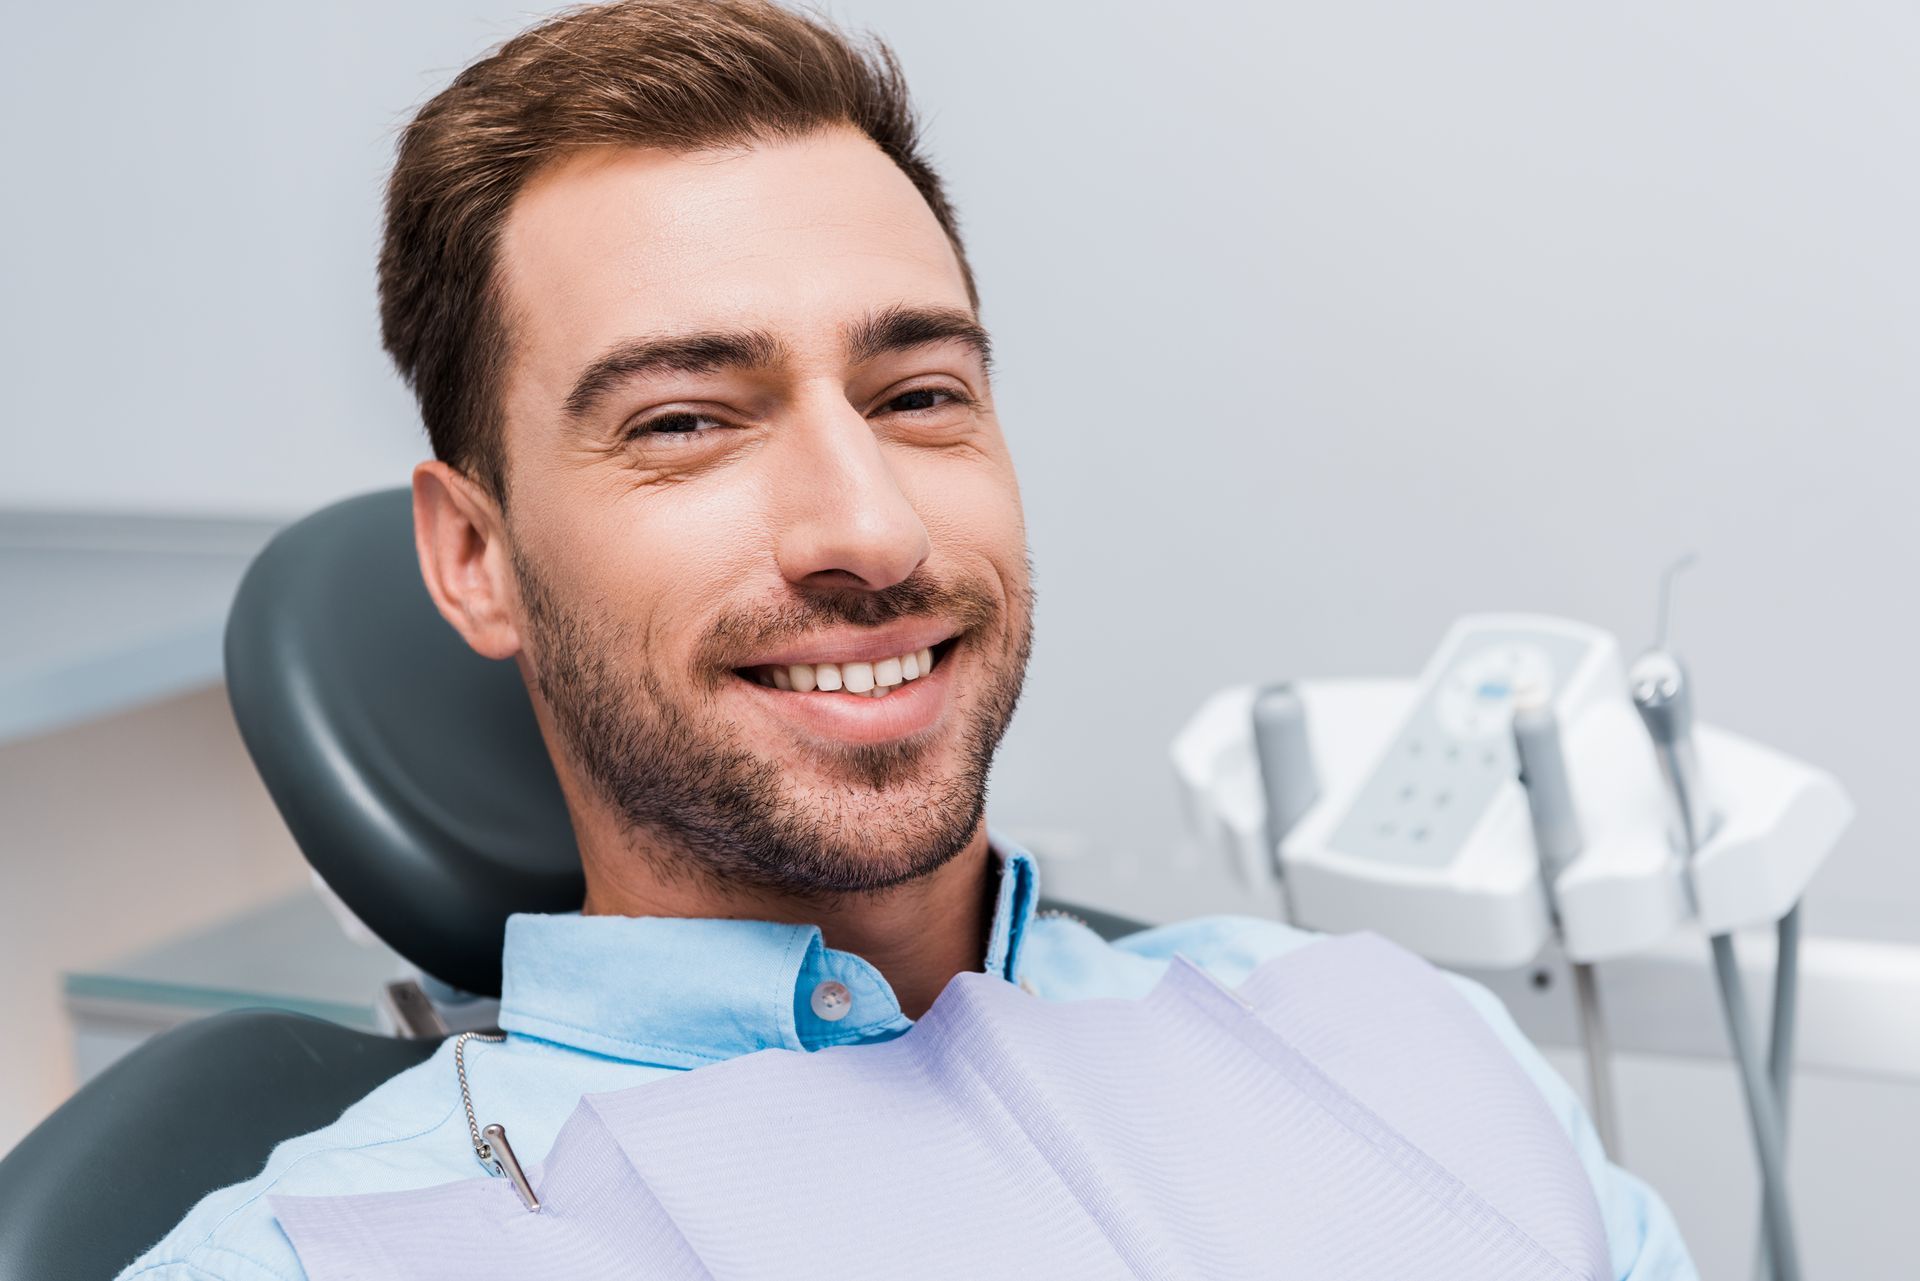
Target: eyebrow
<point>700,353</point>
<point>891,329</point>
<point>900,328</point>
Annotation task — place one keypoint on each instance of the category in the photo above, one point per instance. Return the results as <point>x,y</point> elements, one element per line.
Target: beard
<point>672,764</point>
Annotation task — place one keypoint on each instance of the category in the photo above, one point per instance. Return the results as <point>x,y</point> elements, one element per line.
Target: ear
<point>460,536</point>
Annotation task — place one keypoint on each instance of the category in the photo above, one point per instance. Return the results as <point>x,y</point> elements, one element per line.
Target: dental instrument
<point>1557,838</point>
<point>1286,762</point>
<point>1663,695</point>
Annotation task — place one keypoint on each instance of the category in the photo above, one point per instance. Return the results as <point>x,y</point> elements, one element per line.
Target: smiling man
<point>718,467</point>
<point>751,532</point>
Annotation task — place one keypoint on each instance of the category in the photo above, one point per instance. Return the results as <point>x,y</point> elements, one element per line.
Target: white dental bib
<point>1343,1114</point>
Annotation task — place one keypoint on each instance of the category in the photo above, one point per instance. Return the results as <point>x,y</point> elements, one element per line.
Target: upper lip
<point>858,644</point>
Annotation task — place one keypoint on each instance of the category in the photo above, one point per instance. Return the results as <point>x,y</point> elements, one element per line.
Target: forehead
<point>794,237</point>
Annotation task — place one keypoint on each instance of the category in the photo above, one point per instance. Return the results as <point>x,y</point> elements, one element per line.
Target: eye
<point>681,423</point>
<point>921,400</point>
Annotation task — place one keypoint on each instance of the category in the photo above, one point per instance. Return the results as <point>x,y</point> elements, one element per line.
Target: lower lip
<point>913,707</point>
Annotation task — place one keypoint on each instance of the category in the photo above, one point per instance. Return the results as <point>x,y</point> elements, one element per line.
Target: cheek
<point>972,513</point>
<point>655,566</point>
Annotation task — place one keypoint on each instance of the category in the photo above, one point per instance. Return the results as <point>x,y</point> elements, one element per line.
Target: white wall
<point>1326,323</point>
<point>193,202</point>
<point>1319,325</point>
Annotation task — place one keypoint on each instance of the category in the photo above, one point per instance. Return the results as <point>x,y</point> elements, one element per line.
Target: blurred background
<point>1318,326</point>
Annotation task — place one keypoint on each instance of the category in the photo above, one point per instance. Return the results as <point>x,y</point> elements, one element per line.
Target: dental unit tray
<point>1420,830</point>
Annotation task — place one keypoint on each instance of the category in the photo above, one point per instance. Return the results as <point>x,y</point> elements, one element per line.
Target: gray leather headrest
<point>409,769</point>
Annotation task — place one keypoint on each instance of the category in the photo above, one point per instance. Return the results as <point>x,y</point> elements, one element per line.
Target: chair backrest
<point>194,1109</point>
<point>409,769</point>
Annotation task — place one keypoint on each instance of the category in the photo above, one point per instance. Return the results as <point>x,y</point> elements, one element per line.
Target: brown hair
<point>648,73</point>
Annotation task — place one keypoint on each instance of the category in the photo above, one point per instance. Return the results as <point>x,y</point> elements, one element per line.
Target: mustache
<point>736,636</point>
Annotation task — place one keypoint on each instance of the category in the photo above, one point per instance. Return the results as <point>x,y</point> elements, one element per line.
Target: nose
<point>843,519</point>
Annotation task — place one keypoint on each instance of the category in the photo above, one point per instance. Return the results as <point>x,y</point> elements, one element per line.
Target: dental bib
<point>1343,1114</point>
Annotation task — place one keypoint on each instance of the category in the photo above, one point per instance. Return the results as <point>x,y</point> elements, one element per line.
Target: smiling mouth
<point>875,679</point>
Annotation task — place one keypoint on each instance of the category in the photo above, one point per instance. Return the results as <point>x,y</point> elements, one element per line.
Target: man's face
<point>751,448</point>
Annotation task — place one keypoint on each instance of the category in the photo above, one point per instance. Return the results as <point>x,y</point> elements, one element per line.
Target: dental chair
<point>412,775</point>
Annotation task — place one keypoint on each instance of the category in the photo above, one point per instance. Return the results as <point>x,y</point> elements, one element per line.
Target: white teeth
<point>870,680</point>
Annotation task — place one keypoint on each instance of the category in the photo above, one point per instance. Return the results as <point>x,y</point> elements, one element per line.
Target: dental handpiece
<point>1558,840</point>
<point>1286,761</point>
<point>1663,695</point>
<point>1543,773</point>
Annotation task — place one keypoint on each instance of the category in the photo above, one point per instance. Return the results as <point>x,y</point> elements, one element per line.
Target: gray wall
<point>1326,323</point>
<point>1320,325</point>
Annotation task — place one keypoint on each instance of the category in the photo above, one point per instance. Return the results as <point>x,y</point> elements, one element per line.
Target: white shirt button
<point>832,1001</point>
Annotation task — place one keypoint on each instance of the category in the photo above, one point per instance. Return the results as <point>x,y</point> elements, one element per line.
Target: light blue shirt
<point>598,1003</point>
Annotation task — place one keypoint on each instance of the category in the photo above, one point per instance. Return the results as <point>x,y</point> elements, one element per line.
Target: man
<point>717,465</point>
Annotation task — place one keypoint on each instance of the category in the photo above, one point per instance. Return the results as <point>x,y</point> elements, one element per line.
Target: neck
<point>918,935</point>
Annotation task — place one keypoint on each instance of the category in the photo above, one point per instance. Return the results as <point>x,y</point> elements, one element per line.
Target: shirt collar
<point>682,992</point>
